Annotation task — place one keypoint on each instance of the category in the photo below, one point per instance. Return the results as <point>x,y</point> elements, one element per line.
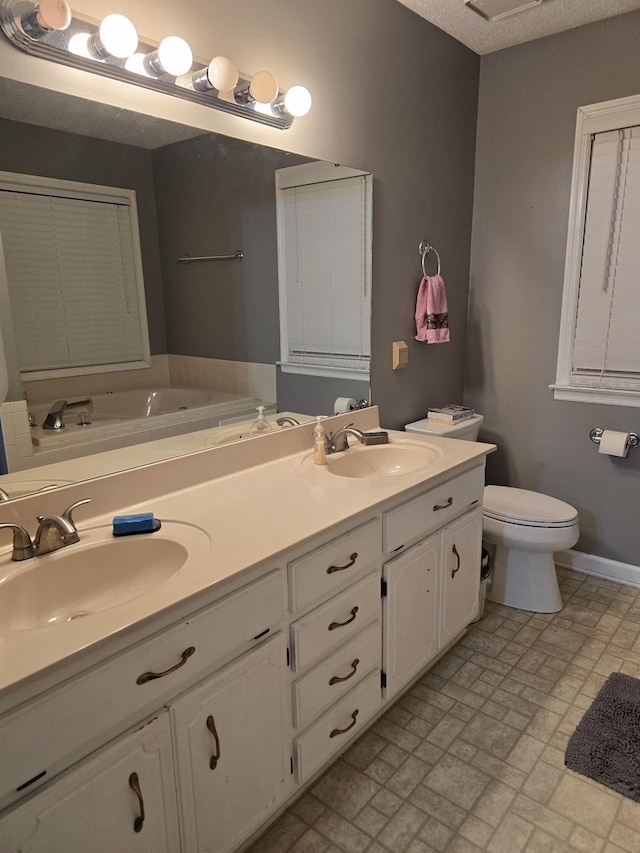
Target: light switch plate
<point>400,355</point>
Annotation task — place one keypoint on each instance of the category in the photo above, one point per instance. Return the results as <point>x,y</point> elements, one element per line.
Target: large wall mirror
<point>212,326</point>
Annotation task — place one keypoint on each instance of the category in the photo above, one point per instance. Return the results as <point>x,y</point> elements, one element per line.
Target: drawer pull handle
<point>211,725</point>
<point>334,625</point>
<point>134,783</point>
<point>457,568</point>
<point>443,506</point>
<point>337,679</point>
<point>149,676</point>
<point>352,560</point>
<point>354,717</point>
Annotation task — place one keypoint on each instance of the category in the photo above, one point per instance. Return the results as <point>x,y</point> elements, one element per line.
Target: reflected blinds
<point>327,274</point>
<point>606,349</point>
<point>72,283</point>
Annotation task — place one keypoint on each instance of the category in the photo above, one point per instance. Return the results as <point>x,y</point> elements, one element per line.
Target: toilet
<point>523,529</point>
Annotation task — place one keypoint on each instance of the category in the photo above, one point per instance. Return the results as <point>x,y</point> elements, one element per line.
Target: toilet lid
<point>524,507</point>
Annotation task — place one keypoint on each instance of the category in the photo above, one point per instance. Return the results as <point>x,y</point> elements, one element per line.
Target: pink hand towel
<point>432,316</point>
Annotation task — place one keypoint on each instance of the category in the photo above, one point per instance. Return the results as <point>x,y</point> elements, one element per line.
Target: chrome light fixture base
<point>54,45</point>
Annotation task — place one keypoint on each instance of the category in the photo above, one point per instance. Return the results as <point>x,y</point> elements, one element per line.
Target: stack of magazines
<point>450,414</point>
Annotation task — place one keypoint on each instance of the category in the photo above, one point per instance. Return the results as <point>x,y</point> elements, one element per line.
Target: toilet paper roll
<point>614,443</point>
<point>343,405</point>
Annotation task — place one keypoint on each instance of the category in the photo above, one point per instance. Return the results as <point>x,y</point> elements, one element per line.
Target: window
<point>324,269</point>
<point>74,275</point>
<point>599,351</point>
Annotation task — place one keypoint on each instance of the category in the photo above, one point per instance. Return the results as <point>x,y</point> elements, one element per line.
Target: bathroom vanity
<point>288,607</point>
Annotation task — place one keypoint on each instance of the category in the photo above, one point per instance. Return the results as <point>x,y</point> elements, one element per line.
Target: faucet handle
<point>22,544</point>
<point>67,513</point>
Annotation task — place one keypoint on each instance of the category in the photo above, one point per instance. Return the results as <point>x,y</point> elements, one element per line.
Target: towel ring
<point>425,249</point>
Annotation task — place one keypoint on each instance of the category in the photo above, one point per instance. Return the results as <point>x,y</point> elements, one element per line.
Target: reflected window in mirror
<point>74,272</point>
<point>324,269</point>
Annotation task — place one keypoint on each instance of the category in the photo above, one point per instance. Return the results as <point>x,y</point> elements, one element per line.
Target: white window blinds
<point>325,254</point>
<point>74,287</point>
<point>606,347</point>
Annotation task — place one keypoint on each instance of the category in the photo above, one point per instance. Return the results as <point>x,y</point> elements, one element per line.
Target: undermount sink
<point>383,460</point>
<point>99,572</point>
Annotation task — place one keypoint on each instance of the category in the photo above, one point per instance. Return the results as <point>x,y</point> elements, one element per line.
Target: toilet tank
<point>466,430</point>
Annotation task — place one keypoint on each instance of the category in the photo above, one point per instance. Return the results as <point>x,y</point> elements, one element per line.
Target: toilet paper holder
<point>596,434</point>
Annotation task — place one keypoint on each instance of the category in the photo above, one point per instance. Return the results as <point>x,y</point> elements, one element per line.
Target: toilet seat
<point>527,509</point>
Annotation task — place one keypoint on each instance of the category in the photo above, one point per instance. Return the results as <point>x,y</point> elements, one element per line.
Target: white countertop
<point>253,505</point>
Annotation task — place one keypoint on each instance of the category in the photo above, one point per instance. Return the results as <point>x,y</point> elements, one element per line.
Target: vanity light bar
<point>112,48</point>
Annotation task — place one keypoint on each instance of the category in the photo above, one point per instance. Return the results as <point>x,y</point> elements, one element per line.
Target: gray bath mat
<point>605,746</point>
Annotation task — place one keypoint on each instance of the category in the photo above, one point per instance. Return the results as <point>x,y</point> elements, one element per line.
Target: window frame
<point>43,185</point>
<point>591,119</point>
<point>315,173</point>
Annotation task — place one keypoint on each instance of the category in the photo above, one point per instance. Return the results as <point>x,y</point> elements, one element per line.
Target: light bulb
<point>174,55</point>
<point>79,44</point>
<point>53,14</point>
<point>117,36</point>
<point>297,101</point>
<point>45,17</point>
<point>135,64</point>
<point>263,87</point>
<point>222,73</point>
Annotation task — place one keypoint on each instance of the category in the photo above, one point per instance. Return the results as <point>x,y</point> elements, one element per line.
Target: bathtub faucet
<point>54,416</point>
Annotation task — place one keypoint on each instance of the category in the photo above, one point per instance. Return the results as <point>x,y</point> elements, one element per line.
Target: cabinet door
<point>461,549</point>
<point>232,751</point>
<point>122,798</point>
<point>410,612</point>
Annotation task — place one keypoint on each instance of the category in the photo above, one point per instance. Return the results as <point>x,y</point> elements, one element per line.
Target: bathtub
<point>128,417</point>
<point>149,403</point>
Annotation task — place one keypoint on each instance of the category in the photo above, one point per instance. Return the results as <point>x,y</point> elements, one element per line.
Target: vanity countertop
<point>254,500</point>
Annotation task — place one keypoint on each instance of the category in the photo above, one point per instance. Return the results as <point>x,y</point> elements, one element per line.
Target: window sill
<point>608,396</point>
<point>324,370</point>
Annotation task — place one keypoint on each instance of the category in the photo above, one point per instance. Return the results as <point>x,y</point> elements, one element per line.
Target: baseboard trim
<point>600,567</point>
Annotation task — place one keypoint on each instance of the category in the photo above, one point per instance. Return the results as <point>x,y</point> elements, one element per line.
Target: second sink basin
<point>97,573</point>
<point>383,460</point>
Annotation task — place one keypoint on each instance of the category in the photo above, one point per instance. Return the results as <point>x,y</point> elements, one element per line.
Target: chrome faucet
<point>285,420</point>
<point>54,532</point>
<point>54,416</point>
<point>338,441</point>
<point>4,496</point>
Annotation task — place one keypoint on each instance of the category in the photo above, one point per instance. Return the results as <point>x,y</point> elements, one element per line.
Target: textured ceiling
<point>551,16</point>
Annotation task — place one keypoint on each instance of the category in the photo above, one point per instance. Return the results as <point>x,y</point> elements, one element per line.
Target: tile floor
<point>471,758</point>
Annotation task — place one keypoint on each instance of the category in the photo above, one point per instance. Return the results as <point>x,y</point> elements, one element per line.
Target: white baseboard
<point>600,567</point>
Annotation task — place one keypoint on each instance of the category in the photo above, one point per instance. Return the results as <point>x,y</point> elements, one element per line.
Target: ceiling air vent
<point>493,10</point>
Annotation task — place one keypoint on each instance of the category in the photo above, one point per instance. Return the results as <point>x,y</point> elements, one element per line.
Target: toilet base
<point>525,580</point>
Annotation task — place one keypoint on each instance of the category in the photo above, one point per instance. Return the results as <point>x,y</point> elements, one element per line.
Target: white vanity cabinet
<point>235,645</point>
<point>188,731</point>
<point>430,591</point>
<point>121,798</point>
<point>231,737</point>
<point>336,644</point>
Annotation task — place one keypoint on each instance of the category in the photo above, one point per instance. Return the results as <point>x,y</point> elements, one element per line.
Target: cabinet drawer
<point>330,680</point>
<point>325,571</point>
<point>337,620</point>
<point>51,733</point>
<point>436,508</point>
<point>337,727</point>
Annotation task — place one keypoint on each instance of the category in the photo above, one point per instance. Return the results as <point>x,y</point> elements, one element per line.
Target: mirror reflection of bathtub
<point>128,453</point>
<point>146,414</point>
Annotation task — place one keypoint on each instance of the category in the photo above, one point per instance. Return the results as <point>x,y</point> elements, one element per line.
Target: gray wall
<point>527,112</point>
<point>32,150</point>
<point>215,195</point>
<point>412,124</point>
